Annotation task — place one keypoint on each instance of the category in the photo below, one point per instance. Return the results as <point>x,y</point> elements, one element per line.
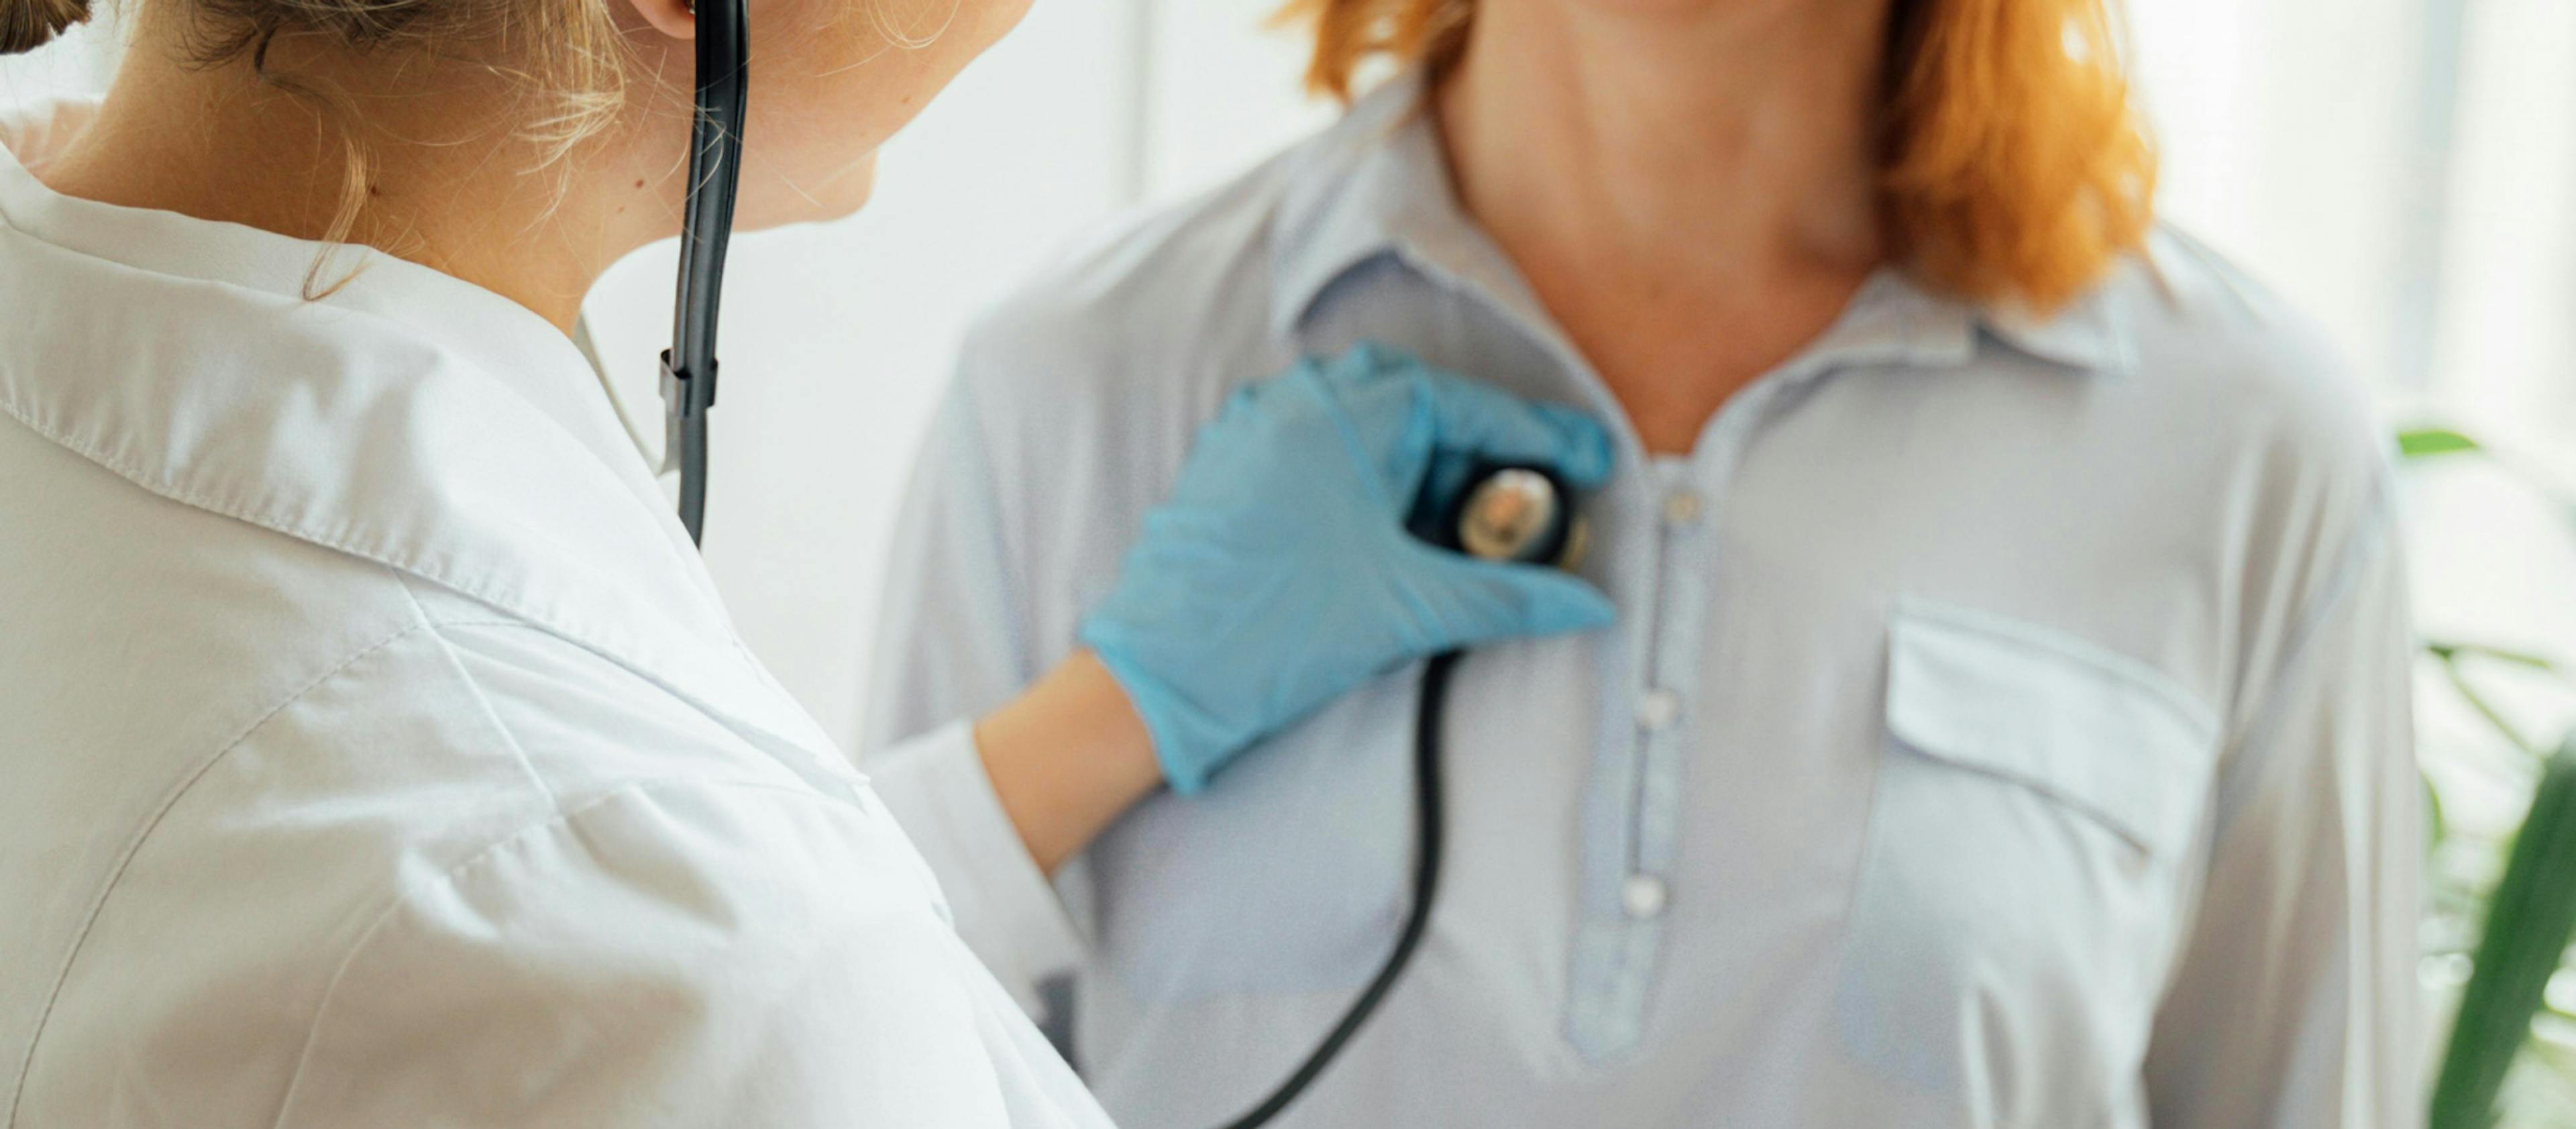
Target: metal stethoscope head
<point>706,228</point>
<point>1516,512</point>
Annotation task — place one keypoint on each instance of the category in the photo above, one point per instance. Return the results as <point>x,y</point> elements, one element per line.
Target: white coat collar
<point>1377,183</point>
<point>410,418</point>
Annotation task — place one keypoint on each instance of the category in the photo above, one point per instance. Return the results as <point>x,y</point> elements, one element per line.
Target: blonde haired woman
<point>2006,719</point>
<point>376,750</point>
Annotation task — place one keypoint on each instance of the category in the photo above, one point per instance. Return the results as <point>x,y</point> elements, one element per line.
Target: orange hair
<point>2012,164</point>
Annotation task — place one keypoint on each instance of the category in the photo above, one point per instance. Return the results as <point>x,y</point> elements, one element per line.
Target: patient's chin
<point>810,198</point>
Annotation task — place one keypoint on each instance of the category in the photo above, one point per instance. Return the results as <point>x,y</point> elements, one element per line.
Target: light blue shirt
<point>2006,724</point>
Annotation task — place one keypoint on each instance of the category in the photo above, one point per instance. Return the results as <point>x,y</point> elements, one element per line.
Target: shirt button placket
<point>1658,710</point>
<point>1642,895</point>
<point>1681,509</point>
<point>1645,893</point>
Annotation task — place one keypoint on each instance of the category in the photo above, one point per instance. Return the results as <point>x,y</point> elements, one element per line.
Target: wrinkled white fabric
<point>377,752</point>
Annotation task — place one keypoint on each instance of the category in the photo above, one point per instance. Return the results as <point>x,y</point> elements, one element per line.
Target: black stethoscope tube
<point>689,391</point>
<point>706,228</point>
<point>1534,524</point>
<point>1426,881</point>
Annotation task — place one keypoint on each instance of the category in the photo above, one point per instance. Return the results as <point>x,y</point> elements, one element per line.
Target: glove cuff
<point>1189,743</point>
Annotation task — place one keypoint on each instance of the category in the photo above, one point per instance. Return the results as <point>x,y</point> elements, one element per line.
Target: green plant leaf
<point>2426,442</point>
<point>2447,650</point>
<point>2437,826</point>
<point>2478,701</point>
<point>2529,921</point>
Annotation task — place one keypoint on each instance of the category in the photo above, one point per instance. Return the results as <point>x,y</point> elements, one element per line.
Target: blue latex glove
<point>1279,575</point>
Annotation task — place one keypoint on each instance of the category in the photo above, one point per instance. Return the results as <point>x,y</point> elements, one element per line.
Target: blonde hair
<point>578,80</point>
<point>582,71</point>
<point>2012,162</point>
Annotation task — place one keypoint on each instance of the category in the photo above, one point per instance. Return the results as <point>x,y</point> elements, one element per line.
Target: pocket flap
<point>2100,732</point>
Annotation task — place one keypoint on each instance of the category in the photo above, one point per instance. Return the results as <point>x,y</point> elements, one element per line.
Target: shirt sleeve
<point>743,955</point>
<point>2295,1001</point>
<point>950,645</point>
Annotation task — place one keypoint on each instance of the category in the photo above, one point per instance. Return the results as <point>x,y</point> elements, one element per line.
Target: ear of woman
<point>674,18</point>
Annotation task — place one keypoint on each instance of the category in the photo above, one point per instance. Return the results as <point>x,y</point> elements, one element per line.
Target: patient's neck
<point>1687,187</point>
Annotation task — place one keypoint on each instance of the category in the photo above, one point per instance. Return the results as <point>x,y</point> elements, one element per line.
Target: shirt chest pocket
<point>2035,802</point>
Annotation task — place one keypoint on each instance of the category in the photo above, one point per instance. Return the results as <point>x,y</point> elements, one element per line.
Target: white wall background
<point>2406,169</point>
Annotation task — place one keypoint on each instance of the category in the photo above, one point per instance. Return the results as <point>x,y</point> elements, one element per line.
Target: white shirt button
<point>1659,709</point>
<point>1642,895</point>
<point>1681,507</point>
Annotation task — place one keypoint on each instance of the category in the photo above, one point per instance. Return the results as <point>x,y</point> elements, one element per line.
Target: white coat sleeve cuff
<point>1005,908</point>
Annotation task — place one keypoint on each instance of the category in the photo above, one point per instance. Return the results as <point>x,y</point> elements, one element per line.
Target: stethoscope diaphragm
<point>1519,513</point>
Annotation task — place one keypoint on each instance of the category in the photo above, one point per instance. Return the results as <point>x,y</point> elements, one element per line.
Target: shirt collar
<point>409,418</point>
<point>1377,184</point>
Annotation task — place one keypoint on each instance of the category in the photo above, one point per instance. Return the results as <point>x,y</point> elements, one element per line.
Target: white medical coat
<point>377,752</point>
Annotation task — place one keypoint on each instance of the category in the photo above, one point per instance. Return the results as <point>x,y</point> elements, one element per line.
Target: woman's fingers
<point>1477,418</point>
<point>1471,601</point>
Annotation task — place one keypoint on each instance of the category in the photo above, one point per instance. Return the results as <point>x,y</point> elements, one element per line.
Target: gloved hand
<point>1279,575</point>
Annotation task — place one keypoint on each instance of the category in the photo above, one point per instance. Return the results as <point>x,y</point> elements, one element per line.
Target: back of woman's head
<point>566,55</point>
<point>28,24</point>
<point>545,97</point>
<point>2012,165</point>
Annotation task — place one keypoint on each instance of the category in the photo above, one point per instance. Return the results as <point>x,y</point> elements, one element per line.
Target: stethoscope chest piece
<point>1522,514</point>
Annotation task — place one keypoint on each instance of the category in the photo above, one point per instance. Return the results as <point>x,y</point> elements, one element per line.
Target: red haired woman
<point>2005,722</point>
